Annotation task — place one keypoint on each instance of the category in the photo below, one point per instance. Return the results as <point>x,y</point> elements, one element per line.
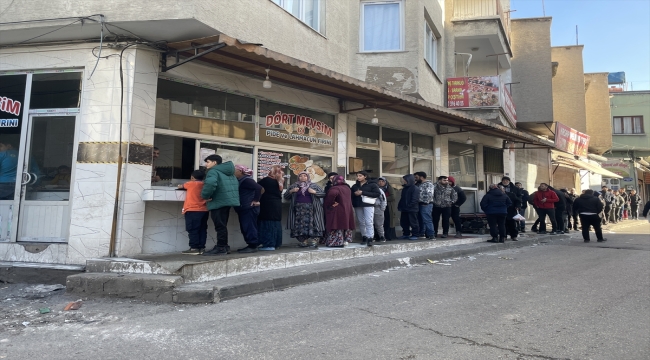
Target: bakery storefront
<point>196,120</point>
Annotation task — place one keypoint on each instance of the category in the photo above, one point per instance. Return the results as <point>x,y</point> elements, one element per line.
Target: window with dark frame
<point>493,160</point>
<point>628,125</point>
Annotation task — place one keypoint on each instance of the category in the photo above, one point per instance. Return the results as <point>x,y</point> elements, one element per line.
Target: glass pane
<point>370,160</point>
<point>287,125</point>
<point>56,90</point>
<point>422,145</point>
<point>173,160</point>
<point>618,125</point>
<point>311,13</point>
<point>381,27</point>
<point>49,158</point>
<point>637,125</point>
<point>293,164</point>
<point>239,155</point>
<point>367,134</point>
<point>425,165</point>
<point>12,91</point>
<point>462,164</point>
<point>627,125</point>
<point>199,110</point>
<point>395,152</point>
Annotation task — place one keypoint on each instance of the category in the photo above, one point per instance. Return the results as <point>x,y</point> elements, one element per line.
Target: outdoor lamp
<point>267,83</point>
<point>374,119</point>
<point>468,141</point>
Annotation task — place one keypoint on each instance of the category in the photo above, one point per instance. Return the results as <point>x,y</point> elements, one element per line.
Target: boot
<point>382,239</point>
<point>502,239</point>
<point>364,240</point>
<point>493,240</point>
<point>371,241</point>
<point>458,235</point>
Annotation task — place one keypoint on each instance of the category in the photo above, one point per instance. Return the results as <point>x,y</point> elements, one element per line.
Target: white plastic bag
<point>518,217</point>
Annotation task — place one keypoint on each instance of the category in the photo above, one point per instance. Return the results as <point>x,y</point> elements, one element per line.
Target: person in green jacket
<point>221,190</point>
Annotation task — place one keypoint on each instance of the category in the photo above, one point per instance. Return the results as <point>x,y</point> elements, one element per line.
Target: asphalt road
<point>568,300</point>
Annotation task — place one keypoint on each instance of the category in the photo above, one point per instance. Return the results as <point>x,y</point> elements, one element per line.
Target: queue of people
<point>326,216</point>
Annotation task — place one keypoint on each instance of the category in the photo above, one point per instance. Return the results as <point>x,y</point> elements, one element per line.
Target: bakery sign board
<point>477,92</point>
<point>294,127</point>
<point>571,140</point>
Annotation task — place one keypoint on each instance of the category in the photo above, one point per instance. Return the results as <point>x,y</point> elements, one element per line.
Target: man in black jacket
<point>510,187</point>
<point>455,209</point>
<point>635,200</point>
<point>409,207</point>
<point>587,206</point>
<point>525,197</point>
<point>560,211</point>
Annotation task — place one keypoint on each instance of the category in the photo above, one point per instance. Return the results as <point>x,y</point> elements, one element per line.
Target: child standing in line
<point>196,213</point>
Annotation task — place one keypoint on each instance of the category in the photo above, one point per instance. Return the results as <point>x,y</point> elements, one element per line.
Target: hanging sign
<point>571,140</point>
<point>12,99</point>
<point>298,128</point>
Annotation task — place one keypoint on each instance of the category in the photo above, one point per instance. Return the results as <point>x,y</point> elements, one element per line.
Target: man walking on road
<point>221,190</point>
<point>545,200</point>
<point>444,197</point>
<point>587,206</point>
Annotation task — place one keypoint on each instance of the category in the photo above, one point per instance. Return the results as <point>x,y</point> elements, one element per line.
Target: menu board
<point>266,160</point>
<point>293,164</point>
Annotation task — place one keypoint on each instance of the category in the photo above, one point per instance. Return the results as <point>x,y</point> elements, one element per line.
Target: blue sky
<point>615,33</point>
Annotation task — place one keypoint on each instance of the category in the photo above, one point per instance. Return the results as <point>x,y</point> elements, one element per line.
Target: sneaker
<point>405,237</point>
<point>444,236</point>
<point>587,240</point>
<point>266,248</point>
<point>493,240</point>
<point>382,239</point>
<point>217,250</point>
<point>523,230</point>
<point>247,250</point>
<point>552,233</point>
<point>192,251</point>
<point>514,239</point>
<point>458,236</point>
<point>534,229</point>
<point>413,238</point>
<point>429,237</point>
<point>602,240</point>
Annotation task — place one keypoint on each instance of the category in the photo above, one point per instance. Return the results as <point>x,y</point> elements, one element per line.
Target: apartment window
<point>430,47</point>
<point>628,125</point>
<point>382,26</point>
<point>307,11</point>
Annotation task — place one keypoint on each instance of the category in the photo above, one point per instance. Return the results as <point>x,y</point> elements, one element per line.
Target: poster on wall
<point>571,140</point>
<point>293,164</point>
<point>12,100</point>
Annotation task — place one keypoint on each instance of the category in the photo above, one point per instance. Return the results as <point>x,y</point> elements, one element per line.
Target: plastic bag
<point>518,217</point>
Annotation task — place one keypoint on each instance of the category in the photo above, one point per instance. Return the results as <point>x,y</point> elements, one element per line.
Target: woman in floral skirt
<point>306,220</point>
<point>339,219</point>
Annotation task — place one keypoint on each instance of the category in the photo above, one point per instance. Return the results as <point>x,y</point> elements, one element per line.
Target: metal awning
<point>578,164</point>
<point>253,59</point>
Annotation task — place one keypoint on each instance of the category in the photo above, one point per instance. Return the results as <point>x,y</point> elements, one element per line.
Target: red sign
<point>480,92</point>
<point>571,140</point>
<point>457,93</point>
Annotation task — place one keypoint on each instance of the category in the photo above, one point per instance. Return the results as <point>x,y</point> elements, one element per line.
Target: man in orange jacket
<point>545,200</point>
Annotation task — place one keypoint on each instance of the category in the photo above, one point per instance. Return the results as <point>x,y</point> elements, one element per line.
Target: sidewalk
<point>201,279</point>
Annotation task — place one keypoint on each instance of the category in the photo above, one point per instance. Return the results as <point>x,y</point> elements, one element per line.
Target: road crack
<point>468,340</point>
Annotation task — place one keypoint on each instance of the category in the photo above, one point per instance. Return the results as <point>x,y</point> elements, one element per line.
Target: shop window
<point>492,160</point>
<point>462,164</point>
<point>173,160</point>
<point>293,164</point>
<point>56,90</point>
<point>239,155</point>
<point>395,152</point>
<point>382,26</point>
<point>370,161</point>
<point>367,134</point>
<point>199,110</point>
<point>290,126</point>
<point>422,154</point>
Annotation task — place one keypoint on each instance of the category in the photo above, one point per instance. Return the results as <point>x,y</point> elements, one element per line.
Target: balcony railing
<point>481,92</point>
<point>477,9</point>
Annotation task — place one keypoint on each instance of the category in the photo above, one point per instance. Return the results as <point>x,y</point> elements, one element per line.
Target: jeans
<point>270,233</point>
<point>196,224</point>
<point>365,216</point>
<point>542,219</point>
<point>409,223</point>
<point>378,221</point>
<point>590,220</point>
<point>497,224</point>
<point>424,219</point>
<point>248,224</point>
<point>522,223</point>
<point>446,214</point>
<point>220,218</point>
<point>613,215</point>
<point>455,215</point>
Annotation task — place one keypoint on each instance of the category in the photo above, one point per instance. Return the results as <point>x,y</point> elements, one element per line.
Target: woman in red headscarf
<point>339,214</point>
<point>271,209</point>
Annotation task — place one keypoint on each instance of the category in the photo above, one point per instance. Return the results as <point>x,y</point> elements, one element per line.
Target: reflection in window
<point>370,159</point>
<point>462,164</point>
<point>199,110</point>
<point>56,90</point>
<point>367,134</point>
<point>422,145</point>
<point>239,155</point>
<point>395,151</point>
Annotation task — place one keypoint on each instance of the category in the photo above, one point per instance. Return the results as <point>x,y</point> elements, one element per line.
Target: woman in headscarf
<point>339,219</point>
<point>271,209</point>
<point>306,220</point>
<point>249,207</point>
<point>391,219</point>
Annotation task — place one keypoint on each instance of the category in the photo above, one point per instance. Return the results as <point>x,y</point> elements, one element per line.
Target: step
<point>195,268</point>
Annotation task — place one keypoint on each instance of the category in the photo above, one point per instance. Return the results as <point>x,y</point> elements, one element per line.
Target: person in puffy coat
<point>495,206</point>
<point>409,207</point>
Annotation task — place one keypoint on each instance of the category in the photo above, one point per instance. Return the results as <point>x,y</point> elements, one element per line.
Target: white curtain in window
<point>311,13</point>
<point>637,125</point>
<point>430,47</point>
<point>627,125</point>
<point>618,129</point>
<point>381,27</point>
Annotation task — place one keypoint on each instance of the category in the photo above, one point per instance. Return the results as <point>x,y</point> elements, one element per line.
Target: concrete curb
<point>170,288</point>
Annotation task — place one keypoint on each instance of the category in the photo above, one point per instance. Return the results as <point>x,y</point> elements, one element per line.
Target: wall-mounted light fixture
<point>267,83</point>
<point>375,119</point>
<point>468,141</point>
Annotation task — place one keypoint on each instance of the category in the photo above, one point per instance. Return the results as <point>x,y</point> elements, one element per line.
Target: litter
<point>74,305</point>
<point>471,258</point>
<point>385,271</point>
<point>441,263</point>
<point>25,323</point>
<point>374,275</point>
<point>432,261</point>
<point>505,258</point>
<point>44,288</point>
<point>447,260</point>
<point>44,310</point>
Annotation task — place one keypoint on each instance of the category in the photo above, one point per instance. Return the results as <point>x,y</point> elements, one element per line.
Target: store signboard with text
<point>12,99</point>
<point>571,140</point>
<point>478,92</point>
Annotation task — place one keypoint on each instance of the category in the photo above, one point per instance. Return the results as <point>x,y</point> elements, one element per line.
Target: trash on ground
<point>447,260</point>
<point>432,261</point>
<point>505,258</point>
<point>442,263</point>
<point>385,270</point>
<point>74,305</point>
<point>25,323</point>
<point>44,310</point>
<point>471,258</point>
<point>374,275</point>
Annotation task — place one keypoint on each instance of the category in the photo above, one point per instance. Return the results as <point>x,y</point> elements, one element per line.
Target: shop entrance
<point>44,213</point>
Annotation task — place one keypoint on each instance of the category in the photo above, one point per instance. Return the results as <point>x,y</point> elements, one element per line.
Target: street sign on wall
<point>571,140</point>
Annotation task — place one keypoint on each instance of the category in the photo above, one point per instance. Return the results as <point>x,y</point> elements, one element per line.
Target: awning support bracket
<point>462,129</point>
<point>523,146</point>
<point>549,129</point>
<point>196,55</point>
<point>343,110</point>
<point>554,170</point>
